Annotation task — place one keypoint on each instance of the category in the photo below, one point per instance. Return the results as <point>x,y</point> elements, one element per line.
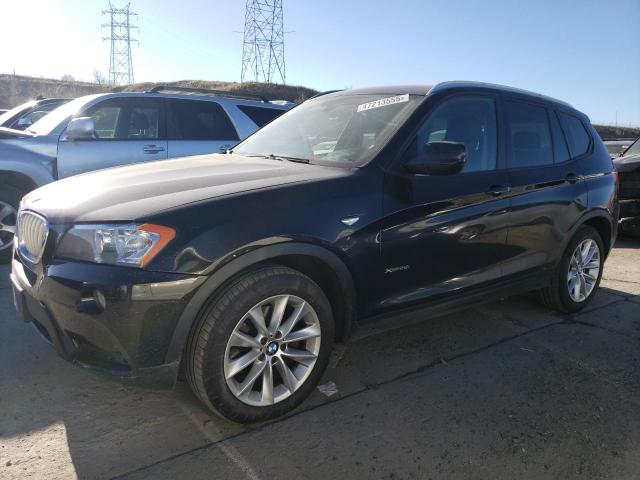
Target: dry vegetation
<point>15,90</point>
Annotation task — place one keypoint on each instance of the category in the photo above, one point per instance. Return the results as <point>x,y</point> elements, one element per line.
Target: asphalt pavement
<point>503,390</point>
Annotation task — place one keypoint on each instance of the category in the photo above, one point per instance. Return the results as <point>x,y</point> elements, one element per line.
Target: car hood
<point>137,191</point>
<point>627,163</point>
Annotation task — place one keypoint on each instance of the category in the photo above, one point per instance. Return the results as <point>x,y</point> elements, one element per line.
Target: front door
<point>443,234</point>
<point>127,130</point>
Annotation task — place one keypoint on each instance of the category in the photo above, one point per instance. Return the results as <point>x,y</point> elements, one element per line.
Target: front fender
<point>231,269</point>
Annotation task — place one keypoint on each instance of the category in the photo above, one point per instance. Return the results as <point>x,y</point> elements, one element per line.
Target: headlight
<point>132,245</point>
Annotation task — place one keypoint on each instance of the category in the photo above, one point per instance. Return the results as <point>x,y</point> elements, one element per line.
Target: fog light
<point>93,303</point>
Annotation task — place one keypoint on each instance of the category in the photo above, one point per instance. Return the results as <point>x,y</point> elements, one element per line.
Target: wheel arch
<point>318,263</point>
<point>17,180</point>
<point>603,225</point>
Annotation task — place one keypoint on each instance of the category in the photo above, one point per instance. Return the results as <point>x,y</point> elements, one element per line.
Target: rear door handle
<point>150,149</point>
<point>572,178</point>
<point>497,190</point>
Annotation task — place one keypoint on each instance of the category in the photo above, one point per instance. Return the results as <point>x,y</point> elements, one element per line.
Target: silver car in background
<point>106,130</point>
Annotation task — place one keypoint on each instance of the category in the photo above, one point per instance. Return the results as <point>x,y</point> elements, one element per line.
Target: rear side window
<point>577,135</point>
<point>529,134</point>
<point>194,120</point>
<point>260,115</point>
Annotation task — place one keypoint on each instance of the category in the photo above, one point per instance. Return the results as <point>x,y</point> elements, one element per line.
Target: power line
<point>120,64</point>
<point>263,46</point>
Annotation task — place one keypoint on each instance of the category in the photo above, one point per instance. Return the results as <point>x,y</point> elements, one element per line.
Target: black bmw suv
<point>241,270</point>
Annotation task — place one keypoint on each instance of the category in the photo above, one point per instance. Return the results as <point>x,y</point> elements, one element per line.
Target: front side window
<point>143,123</point>
<point>467,120</point>
<point>577,136</point>
<point>529,135</point>
<point>105,120</point>
<point>339,130</point>
<point>197,120</point>
<point>122,119</point>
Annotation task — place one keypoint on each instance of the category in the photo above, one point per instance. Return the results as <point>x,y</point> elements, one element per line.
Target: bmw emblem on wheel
<point>272,348</point>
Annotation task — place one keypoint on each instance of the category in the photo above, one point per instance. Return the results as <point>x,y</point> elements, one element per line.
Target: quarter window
<point>529,135</point>
<point>260,115</point>
<point>577,136</point>
<point>467,120</point>
<point>197,120</point>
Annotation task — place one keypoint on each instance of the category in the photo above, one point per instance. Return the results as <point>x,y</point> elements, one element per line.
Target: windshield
<point>341,130</point>
<point>14,111</point>
<point>634,149</point>
<point>46,124</point>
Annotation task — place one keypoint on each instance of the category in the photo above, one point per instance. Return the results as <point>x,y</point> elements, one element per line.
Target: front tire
<point>261,345</point>
<point>9,201</point>
<point>579,272</point>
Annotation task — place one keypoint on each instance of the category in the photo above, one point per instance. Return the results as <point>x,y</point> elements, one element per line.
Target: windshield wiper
<point>290,159</point>
<point>272,156</point>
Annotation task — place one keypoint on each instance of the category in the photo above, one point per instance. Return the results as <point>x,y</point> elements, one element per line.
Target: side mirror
<point>439,158</point>
<point>81,128</point>
<point>24,122</point>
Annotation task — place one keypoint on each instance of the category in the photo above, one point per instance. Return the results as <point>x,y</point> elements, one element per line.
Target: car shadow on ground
<point>51,410</point>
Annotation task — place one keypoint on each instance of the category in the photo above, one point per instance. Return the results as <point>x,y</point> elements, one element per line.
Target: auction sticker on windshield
<point>383,102</point>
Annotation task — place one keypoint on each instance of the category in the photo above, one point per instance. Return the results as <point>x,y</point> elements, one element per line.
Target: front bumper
<point>114,319</point>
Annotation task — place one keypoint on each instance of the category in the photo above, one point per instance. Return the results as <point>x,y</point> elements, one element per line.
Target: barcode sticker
<point>383,102</point>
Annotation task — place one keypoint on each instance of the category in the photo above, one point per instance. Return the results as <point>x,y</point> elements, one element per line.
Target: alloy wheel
<point>8,218</point>
<point>272,350</point>
<point>584,270</point>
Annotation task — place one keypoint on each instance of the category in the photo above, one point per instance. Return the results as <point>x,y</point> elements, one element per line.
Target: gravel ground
<point>504,390</point>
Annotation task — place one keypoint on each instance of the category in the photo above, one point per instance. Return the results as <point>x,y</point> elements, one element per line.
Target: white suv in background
<point>105,130</point>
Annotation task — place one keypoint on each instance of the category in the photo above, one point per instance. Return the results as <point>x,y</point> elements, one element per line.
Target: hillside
<point>16,89</point>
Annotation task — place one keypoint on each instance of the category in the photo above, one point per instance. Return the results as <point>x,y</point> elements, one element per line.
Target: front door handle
<point>572,178</point>
<point>151,149</point>
<point>497,190</point>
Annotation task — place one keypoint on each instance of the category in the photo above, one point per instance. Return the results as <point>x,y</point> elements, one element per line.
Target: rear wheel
<point>261,346</point>
<point>579,273</point>
<point>9,201</point>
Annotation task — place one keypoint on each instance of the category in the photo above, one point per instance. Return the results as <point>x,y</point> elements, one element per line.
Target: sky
<point>585,52</point>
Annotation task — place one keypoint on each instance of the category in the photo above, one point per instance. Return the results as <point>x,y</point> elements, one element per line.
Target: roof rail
<point>319,94</point>
<point>207,91</point>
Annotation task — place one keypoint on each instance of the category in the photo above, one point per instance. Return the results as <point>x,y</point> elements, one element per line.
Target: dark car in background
<point>25,115</point>
<point>628,166</point>
<point>243,269</point>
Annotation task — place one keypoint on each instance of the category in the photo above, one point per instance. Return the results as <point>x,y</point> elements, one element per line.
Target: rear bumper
<point>117,320</point>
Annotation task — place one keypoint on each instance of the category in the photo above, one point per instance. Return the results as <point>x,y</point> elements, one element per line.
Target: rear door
<point>198,127</point>
<point>127,130</point>
<point>548,193</point>
<point>444,234</point>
